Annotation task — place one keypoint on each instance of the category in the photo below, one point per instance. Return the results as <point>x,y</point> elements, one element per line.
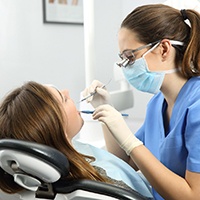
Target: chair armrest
<point>97,187</point>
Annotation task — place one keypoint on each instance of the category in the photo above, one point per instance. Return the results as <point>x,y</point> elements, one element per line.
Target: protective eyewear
<point>128,57</point>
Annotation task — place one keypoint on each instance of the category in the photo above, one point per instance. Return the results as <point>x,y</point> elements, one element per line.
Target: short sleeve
<point>192,137</point>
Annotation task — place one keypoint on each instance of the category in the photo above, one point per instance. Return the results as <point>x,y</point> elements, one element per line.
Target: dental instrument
<point>91,112</point>
<point>93,93</point>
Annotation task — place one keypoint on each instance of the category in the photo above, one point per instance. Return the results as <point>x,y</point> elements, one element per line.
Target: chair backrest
<point>39,168</point>
<point>31,163</point>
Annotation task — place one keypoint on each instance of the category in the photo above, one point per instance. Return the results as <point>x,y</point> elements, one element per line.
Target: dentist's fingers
<point>102,91</point>
<point>99,112</point>
<point>105,113</point>
<point>92,88</point>
<point>117,126</point>
<point>95,84</point>
<point>96,94</point>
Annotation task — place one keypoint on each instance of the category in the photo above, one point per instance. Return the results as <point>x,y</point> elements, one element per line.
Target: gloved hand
<point>102,96</point>
<point>117,126</point>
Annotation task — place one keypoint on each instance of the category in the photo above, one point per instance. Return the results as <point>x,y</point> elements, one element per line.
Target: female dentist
<point>160,54</point>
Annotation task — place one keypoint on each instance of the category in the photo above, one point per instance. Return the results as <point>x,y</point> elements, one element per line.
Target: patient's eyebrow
<point>53,86</point>
<point>60,95</point>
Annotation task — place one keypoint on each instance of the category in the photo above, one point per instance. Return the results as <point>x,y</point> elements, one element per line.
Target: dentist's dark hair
<point>158,21</point>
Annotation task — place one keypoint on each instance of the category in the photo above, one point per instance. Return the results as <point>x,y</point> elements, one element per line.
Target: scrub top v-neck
<point>178,148</point>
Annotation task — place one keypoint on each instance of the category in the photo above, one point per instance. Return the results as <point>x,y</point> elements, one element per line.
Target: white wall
<point>32,50</point>
<point>54,53</point>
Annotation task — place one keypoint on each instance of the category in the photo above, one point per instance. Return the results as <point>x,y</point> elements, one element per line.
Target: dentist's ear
<point>165,48</point>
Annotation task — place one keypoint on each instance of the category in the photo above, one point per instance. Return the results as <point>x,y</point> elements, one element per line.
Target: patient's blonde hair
<point>32,113</point>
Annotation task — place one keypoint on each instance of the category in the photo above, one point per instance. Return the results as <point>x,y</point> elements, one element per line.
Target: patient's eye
<point>65,95</point>
<point>65,98</point>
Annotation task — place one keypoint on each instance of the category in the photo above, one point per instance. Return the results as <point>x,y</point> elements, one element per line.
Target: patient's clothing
<point>115,182</point>
<point>177,147</point>
<point>115,168</point>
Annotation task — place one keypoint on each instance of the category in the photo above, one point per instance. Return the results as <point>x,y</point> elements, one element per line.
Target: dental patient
<point>43,114</point>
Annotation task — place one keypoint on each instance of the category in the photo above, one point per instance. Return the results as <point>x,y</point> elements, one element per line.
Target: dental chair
<point>40,168</point>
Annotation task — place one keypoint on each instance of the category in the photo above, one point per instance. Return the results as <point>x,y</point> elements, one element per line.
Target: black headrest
<point>45,153</point>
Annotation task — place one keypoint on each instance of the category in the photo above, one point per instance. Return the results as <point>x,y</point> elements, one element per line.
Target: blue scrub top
<point>178,148</point>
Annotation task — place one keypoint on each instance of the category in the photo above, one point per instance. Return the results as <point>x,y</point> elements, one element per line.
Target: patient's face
<point>74,120</point>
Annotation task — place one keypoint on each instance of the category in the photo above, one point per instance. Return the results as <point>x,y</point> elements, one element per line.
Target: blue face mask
<point>139,76</point>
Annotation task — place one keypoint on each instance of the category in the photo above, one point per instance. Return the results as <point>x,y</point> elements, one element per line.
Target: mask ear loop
<point>151,49</point>
<point>171,41</point>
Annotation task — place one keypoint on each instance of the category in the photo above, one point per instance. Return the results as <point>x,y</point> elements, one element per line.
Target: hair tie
<point>184,15</point>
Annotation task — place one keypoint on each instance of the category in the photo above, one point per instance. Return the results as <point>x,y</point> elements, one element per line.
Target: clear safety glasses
<point>128,57</point>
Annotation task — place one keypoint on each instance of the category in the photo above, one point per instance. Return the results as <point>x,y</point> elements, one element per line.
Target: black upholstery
<point>57,160</point>
<point>48,154</point>
<point>98,187</point>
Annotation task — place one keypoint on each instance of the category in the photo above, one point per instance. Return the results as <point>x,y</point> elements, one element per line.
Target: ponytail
<point>155,22</point>
<point>191,58</point>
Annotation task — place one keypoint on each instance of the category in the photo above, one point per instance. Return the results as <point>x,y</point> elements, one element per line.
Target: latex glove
<point>101,97</point>
<point>117,126</point>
